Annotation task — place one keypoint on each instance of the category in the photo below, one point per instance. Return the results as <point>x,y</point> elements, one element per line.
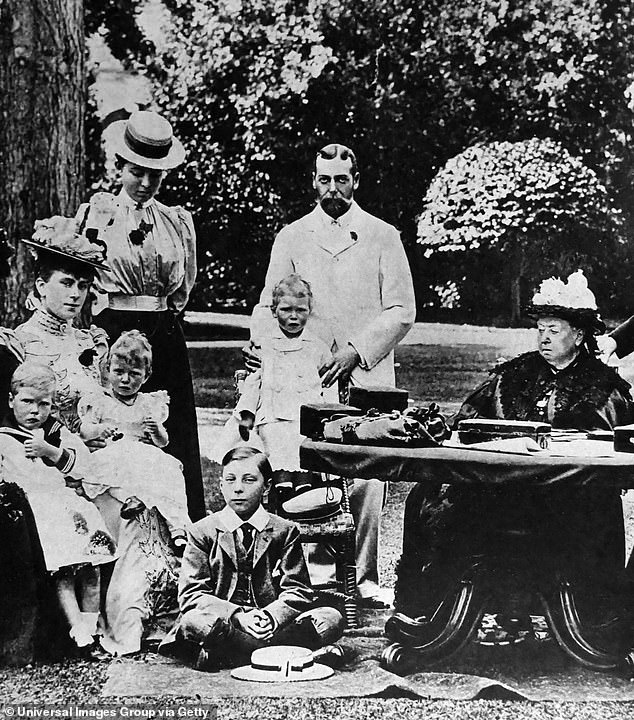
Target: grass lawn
<point>439,373</point>
<point>431,373</point>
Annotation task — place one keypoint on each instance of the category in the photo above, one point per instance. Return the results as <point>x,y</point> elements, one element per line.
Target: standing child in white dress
<point>288,378</point>
<point>38,453</point>
<point>132,466</point>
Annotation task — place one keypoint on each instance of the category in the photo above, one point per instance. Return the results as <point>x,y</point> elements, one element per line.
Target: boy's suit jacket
<point>280,580</point>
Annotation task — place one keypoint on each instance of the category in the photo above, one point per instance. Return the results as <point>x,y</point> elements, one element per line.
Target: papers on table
<point>565,443</point>
<point>523,445</point>
<point>582,448</point>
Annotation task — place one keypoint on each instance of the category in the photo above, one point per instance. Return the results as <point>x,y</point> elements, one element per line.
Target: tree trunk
<point>518,268</point>
<point>42,98</point>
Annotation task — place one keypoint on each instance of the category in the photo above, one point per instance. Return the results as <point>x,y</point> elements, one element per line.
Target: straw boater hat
<point>146,139</point>
<point>60,236</point>
<point>282,663</point>
<point>571,300</point>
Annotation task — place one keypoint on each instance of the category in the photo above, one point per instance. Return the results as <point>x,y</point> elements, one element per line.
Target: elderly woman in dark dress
<point>151,252</point>
<point>562,383</point>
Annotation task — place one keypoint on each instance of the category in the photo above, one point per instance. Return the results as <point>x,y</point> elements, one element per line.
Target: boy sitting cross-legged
<point>244,582</point>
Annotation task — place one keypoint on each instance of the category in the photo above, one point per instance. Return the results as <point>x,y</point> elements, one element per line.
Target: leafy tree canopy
<point>531,200</point>
<point>255,86</point>
<point>531,192</point>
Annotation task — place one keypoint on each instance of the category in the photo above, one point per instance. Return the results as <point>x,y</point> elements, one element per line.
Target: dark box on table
<point>624,438</point>
<point>383,399</point>
<point>313,416</point>
<point>482,430</point>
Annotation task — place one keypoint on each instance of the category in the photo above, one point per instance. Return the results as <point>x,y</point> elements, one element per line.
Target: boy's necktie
<point>247,536</point>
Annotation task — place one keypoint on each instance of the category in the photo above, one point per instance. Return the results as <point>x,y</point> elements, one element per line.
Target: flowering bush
<point>530,200</point>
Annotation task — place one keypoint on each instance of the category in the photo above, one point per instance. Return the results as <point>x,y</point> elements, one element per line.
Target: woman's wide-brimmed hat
<point>146,139</point>
<point>282,663</point>
<point>59,236</point>
<point>571,300</point>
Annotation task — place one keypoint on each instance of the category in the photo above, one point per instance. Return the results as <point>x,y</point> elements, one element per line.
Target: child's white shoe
<point>81,636</point>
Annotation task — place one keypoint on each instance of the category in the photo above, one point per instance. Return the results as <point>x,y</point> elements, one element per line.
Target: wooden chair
<point>336,533</point>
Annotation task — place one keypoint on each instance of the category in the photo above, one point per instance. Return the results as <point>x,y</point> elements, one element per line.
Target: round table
<point>426,641</point>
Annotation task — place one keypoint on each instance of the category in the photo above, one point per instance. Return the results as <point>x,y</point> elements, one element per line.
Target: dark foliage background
<point>254,87</point>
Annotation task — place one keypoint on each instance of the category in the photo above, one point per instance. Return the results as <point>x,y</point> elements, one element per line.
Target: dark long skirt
<point>577,533</point>
<point>171,372</point>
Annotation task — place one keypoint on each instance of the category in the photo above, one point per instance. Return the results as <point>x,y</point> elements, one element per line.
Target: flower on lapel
<point>277,570</point>
<point>87,357</point>
<point>138,236</point>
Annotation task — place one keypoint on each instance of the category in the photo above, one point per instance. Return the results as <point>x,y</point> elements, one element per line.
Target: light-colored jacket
<point>362,293</point>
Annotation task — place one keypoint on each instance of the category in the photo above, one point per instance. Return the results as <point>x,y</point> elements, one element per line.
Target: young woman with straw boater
<point>151,250</point>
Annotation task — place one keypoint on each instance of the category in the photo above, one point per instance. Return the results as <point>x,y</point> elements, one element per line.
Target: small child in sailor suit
<point>46,460</point>
<point>243,582</point>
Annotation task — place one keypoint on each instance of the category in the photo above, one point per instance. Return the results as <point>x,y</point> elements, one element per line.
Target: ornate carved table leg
<point>574,639</point>
<point>399,659</point>
<point>425,642</point>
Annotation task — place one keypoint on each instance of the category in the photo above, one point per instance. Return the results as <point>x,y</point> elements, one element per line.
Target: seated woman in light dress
<point>65,268</point>
<point>141,597</point>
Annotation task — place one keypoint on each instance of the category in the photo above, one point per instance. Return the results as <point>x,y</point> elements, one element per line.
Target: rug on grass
<point>527,671</point>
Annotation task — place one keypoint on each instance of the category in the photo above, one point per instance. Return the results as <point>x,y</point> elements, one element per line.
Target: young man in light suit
<point>363,296</point>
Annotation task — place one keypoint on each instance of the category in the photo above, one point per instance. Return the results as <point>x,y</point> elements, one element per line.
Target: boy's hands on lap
<point>255,623</point>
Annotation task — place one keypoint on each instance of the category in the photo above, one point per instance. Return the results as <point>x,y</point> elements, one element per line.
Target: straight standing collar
<point>128,202</point>
<point>51,323</point>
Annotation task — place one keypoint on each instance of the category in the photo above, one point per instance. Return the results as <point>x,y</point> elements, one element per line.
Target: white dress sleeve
<point>157,405</point>
<point>82,467</point>
<point>178,299</point>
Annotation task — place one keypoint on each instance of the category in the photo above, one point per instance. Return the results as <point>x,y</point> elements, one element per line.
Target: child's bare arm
<point>155,431</point>
<point>95,431</point>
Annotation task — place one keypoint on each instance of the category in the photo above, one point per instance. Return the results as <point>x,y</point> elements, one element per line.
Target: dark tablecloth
<point>462,465</point>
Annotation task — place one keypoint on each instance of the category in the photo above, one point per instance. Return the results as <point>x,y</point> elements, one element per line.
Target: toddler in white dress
<point>132,466</point>
<point>288,378</point>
